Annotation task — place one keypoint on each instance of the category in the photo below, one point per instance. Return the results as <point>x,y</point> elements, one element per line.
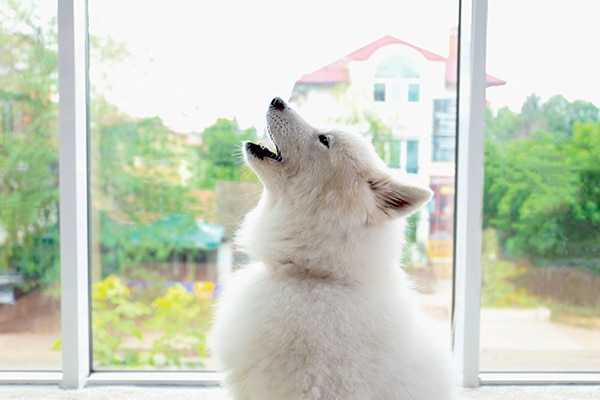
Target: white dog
<point>326,312</point>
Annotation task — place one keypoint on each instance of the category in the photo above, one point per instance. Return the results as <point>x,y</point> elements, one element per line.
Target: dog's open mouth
<point>262,152</point>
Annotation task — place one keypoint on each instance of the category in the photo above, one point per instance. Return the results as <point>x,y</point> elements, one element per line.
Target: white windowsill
<point>572,392</point>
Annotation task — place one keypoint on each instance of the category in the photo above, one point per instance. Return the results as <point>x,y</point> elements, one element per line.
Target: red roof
<point>365,52</point>
<point>337,71</point>
<point>451,75</point>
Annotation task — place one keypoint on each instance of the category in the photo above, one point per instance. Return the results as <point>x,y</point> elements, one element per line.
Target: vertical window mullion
<point>470,146</point>
<point>73,174</point>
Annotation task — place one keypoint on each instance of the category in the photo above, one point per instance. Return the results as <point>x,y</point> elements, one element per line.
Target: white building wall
<point>347,106</point>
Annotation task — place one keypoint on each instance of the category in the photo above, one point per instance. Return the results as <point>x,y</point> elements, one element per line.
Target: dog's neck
<point>288,268</point>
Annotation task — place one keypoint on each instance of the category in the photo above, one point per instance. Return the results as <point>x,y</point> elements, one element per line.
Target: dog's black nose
<point>278,103</point>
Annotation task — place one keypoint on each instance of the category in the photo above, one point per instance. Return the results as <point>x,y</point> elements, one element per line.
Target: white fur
<point>326,312</point>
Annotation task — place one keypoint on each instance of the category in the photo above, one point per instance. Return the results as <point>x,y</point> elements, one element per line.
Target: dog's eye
<point>324,140</point>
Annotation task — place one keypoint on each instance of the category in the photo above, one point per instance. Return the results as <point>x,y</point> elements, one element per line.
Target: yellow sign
<point>448,190</point>
<point>440,248</point>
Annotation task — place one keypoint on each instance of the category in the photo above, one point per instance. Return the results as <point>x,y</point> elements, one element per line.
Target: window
<point>30,326</point>
<point>541,274</point>
<point>397,76</point>
<point>166,186</point>
<point>401,154</point>
<point>164,192</point>
<point>397,91</point>
<point>444,130</point>
<point>412,156</point>
<point>379,92</point>
<point>413,92</point>
<point>397,66</point>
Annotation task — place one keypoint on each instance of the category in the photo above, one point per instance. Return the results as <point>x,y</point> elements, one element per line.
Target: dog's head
<point>330,173</point>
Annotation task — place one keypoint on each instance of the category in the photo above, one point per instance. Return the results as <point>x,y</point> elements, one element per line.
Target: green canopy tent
<point>177,233</point>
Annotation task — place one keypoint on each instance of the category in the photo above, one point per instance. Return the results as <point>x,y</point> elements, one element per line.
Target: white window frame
<point>73,176</point>
<point>469,188</point>
<point>74,218</point>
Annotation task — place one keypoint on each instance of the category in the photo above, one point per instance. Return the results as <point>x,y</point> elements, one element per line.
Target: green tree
<point>541,188</point>
<point>29,140</point>
<point>220,155</point>
<point>560,114</point>
<point>532,114</point>
<point>585,212</point>
<point>28,143</point>
<point>385,144</point>
<point>505,125</point>
<point>144,175</point>
<point>142,167</point>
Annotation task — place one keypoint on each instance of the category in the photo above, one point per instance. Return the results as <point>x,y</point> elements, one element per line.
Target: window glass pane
<point>379,92</point>
<point>413,92</point>
<point>444,130</point>
<point>412,156</point>
<point>176,89</point>
<point>29,260</point>
<point>541,253</point>
<point>397,66</point>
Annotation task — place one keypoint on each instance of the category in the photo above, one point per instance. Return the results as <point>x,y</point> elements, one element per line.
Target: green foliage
<point>541,187</point>
<point>557,115</point>
<point>121,326</point>
<point>220,156</point>
<point>141,177</point>
<point>386,145</point>
<point>28,144</point>
<point>498,286</point>
<point>147,174</point>
<point>114,317</point>
<point>561,115</point>
<point>140,169</point>
<point>183,323</point>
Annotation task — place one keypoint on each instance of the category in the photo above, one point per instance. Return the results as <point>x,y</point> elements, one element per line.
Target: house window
<point>414,92</point>
<point>397,66</point>
<point>398,77</point>
<point>399,154</point>
<point>379,92</point>
<point>396,91</point>
<point>444,130</point>
<point>412,156</point>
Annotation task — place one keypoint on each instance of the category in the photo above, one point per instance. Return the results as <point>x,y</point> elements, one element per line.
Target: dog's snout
<point>278,103</point>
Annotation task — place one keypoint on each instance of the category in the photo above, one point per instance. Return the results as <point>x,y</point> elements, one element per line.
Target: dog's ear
<point>396,199</point>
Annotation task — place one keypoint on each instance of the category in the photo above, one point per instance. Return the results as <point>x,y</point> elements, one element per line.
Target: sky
<point>544,46</point>
<point>191,61</point>
<point>197,60</point>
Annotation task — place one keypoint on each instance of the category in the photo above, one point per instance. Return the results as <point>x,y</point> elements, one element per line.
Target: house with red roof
<point>404,98</point>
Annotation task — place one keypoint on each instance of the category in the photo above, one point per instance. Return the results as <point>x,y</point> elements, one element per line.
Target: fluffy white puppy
<point>326,312</point>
